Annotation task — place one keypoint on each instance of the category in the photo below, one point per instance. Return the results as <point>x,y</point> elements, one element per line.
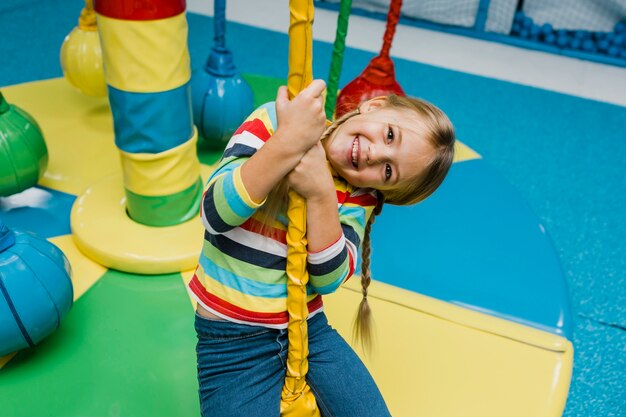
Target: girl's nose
<point>374,154</point>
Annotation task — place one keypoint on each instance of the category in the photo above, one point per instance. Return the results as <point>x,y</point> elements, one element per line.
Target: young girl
<point>390,150</point>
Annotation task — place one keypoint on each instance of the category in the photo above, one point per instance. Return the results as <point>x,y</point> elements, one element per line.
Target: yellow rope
<point>87,19</point>
<point>297,399</point>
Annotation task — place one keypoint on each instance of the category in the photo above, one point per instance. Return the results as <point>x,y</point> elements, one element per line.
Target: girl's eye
<point>390,135</point>
<point>388,172</point>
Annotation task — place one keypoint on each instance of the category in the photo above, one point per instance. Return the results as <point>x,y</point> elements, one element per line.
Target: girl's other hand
<point>301,121</point>
<point>311,177</point>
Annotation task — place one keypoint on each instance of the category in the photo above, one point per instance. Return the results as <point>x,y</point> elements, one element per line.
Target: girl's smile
<point>354,153</point>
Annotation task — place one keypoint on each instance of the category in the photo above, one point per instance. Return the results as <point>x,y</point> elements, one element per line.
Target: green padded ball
<point>23,152</point>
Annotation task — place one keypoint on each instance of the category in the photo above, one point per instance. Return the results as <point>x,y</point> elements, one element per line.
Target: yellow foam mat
<point>462,152</point>
<point>85,272</point>
<point>5,359</point>
<point>432,358</point>
<point>78,131</point>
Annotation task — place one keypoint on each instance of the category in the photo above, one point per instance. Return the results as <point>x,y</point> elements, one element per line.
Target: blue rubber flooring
<point>564,154</point>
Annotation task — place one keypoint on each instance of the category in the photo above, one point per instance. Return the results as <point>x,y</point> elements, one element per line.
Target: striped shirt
<point>241,273</point>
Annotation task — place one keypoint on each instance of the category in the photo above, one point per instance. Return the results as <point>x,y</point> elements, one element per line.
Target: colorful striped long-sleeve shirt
<point>241,273</point>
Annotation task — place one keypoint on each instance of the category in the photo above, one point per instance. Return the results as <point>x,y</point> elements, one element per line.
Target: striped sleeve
<point>226,203</point>
<point>331,267</point>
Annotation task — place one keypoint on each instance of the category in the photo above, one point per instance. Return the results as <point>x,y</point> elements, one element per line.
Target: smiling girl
<point>391,149</point>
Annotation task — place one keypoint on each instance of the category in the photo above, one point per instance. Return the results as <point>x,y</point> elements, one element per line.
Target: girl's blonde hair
<point>439,132</point>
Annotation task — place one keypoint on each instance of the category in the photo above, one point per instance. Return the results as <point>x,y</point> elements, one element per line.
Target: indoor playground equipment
<point>378,78</point>
<point>603,43</point>
<point>147,71</point>
<point>81,55</point>
<point>297,398</point>
<point>220,98</point>
<point>482,328</point>
<point>586,29</point>
<point>23,152</point>
<point>336,60</point>
<point>35,288</point>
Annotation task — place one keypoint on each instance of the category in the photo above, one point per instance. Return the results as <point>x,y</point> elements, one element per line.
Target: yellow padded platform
<point>103,231</point>
<point>435,359</point>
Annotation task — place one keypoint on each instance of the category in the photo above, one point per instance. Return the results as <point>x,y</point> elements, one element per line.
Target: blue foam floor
<point>564,154</point>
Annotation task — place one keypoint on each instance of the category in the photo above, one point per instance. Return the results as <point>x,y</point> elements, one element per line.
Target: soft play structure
<point>36,289</point>
<point>471,310</point>
<point>587,29</point>
<point>218,89</point>
<point>297,397</point>
<point>379,77</point>
<point>24,155</point>
<point>81,55</point>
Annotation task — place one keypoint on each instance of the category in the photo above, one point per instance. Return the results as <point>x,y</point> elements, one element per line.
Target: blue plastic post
<point>220,98</point>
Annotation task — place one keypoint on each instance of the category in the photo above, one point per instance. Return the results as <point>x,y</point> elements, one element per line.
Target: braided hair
<point>363,324</point>
<point>440,133</point>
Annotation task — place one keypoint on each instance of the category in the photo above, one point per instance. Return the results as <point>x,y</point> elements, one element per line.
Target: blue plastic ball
<point>527,22</point>
<point>546,28</point>
<point>588,45</point>
<point>580,34</point>
<point>550,38</point>
<point>561,41</point>
<point>35,281</point>
<point>535,30</point>
<point>575,43</point>
<point>613,51</point>
<point>620,27</point>
<point>524,34</point>
<point>603,45</point>
<point>618,40</point>
<point>597,35</point>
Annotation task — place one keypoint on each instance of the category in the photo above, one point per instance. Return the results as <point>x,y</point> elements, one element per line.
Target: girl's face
<point>379,148</point>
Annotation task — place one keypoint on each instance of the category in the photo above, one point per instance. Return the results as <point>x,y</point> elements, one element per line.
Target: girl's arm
<point>313,181</point>
<point>301,122</point>
<point>256,160</point>
<point>332,266</point>
<point>332,257</point>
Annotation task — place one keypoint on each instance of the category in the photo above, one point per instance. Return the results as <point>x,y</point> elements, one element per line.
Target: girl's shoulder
<point>253,132</point>
<point>267,113</point>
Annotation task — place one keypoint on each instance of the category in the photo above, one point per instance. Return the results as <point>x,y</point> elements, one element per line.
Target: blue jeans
<point>241,370</point>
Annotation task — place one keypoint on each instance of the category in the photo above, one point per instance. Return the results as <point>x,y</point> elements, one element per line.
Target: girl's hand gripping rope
<point>311,177</point>
<point>301,121</point>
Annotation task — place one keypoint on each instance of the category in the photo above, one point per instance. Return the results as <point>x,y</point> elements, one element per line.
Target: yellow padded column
<point>297,399</point>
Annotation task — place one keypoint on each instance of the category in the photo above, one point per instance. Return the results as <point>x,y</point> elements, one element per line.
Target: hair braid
<point>363,324</point>
<point>330,129</point>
